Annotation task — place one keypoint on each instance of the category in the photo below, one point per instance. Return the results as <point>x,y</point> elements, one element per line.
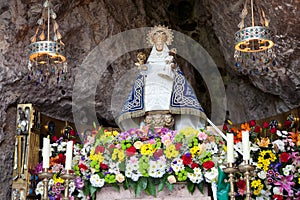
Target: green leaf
<point>151,187</point>
<point>86,189</point>
<point>116,186</point>
<point>122,166</point>
<point>138,189</point>
<point>188,169</point>
<point>126,184</point>
<point>161,186</point>
<point>190,187</point>
<point>169,186</point>
<point>143,182</point>
<point>200,187</point>
<point>92,190</point>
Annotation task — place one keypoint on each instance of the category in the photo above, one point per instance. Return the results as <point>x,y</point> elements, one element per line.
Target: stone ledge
<point>180,192</point>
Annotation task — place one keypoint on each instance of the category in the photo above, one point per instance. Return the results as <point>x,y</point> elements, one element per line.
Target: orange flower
<point>295,137</point>
<point>264,142</point>
<point>211,138</point>
<point>245,127</point>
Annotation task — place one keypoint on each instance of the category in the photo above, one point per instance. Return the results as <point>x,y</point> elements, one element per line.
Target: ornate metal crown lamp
<point>253,42</point>
<point>47,56</point>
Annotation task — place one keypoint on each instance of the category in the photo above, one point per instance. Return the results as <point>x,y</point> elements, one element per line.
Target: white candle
<point>69,155</point>
<point>46,152</point>
<point>230,144</point>
<point>246,145</point>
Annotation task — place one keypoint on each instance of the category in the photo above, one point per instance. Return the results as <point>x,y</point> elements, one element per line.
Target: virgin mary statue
<point>161,95</point>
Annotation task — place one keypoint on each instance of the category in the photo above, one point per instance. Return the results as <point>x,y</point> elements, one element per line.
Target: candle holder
<point>231,170</point>
<point>246,168</point>
<point>67,177</point>
<point>45,176</point>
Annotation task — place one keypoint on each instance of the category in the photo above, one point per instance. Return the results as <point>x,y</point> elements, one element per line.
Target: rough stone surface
<point>84,24</point>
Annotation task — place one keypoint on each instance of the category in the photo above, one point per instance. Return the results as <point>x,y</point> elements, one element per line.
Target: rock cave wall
<point>84,24</point>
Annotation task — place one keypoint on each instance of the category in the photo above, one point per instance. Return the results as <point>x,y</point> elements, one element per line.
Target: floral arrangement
<point>276,156</point>
<point>146,159</point>
<point>57,160</point>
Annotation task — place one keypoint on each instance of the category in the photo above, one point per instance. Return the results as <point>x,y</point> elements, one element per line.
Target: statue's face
<point>159,46</point>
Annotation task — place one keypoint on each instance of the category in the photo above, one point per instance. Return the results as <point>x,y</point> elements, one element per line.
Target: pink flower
<point>202,136</point>
<point>285,183</point>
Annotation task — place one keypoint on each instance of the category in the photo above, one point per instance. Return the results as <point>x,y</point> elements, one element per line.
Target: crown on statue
<point>160,33</point>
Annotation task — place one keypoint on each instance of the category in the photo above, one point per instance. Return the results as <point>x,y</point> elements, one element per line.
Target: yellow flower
<point>97,157</point>
<point>256,192</point>
<point>57,179</point>
<point>147,149</point>
<point>194,150</point>
<point>265,158</point>
<point>256,183</point>
<point>118,154</point>
<point>171,152</point>
<point>299,180</point>
<point>189,131</point>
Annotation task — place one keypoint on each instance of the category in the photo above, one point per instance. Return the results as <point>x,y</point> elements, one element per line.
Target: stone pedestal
<point>180,192</point>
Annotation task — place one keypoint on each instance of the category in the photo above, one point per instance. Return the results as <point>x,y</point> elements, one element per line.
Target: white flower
<point>54,144</point>
<point>262,174</point>
<point>276,190</point>
<point>63,144</point>
<point>194,178</point>
<point>157,168</point>
<point>71,187</point>
<point>288,168</point>
<point>59,148</point>
<point>39,188</point>
<point>286,172</point>
<point>212,175</point>
<point>96,181</point>
<point>177,165</point>
<point>279,144</point>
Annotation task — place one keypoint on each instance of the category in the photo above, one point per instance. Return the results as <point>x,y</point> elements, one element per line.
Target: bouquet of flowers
<point>146,159</point>
<point>57,160</point>
<point>275,155</point>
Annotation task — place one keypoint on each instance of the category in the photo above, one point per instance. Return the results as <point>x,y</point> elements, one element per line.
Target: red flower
<point>277,197</point>
<point>187,159</point>
<point>287,123</point>
<point>252,123</point>
<point>82,166</point>
<point>265,124</point>
<point>208,165</point>
<point>225,127</point>
<point>178,146</point>
<point>61,158</point>
<point>103,166</point>
<point>241,184</point>
<point>130,151</point>
<point>194,165</point>
<point>273,130</point>
<point>99,149</point>
<point>54,138</point>
<point>158,153</point>
<point>284,157</point>
<point>72,133</point>
<point>257,129</point>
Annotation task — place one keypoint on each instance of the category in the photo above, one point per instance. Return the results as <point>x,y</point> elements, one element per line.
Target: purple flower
<point>79,183</point>
<point>285,183</point>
